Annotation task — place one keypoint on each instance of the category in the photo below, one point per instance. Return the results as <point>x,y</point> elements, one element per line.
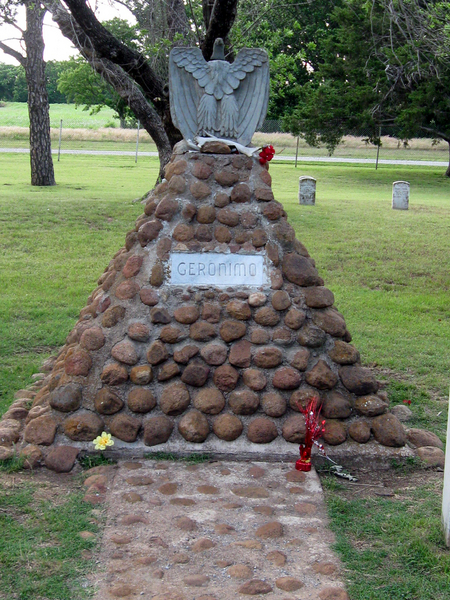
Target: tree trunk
<point>447,172</point>
<point>38,109</point>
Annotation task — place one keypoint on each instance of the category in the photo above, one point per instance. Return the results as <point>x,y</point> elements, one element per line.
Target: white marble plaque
<point>220,270</point>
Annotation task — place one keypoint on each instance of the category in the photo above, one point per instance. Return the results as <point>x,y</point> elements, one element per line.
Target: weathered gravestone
<point>307,190</point>
<point>400,195</point>
<point>211,327</point>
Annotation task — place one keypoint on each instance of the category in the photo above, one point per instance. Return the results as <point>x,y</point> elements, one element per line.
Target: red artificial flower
<point>266,154</point>
<point>406,401</point>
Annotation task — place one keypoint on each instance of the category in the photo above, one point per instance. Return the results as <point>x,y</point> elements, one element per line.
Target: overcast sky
<point>57,47</point>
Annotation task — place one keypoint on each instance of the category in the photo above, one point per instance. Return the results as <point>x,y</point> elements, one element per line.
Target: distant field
<point>100,131</point>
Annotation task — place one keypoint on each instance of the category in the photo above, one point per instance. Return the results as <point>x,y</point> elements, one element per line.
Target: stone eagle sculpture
<point>218,98</point>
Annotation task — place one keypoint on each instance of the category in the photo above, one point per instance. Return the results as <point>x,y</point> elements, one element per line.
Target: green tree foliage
<point>376,70</point>
<point>83,86</point>
<point>13,83</point>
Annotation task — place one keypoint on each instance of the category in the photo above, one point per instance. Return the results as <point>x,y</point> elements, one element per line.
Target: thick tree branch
<point>118,79</point>
<point>222,17</point>
<point>7,50</point>
<point>108,46</point>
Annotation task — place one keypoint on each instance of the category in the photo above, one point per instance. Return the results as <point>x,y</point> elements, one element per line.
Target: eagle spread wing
<point>217,97</point>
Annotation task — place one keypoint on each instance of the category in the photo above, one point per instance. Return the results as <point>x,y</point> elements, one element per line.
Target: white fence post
<point>446,493</point>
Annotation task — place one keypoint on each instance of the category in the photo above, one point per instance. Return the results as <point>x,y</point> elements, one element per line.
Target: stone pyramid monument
<point>207,332</point>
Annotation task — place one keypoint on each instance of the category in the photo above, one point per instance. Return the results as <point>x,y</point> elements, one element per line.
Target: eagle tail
<point>228,116</point>
<point>206,115</point>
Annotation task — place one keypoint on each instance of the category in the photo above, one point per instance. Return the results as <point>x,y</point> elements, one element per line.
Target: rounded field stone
<point>333,593</point>
<point>257,299</point>
<point>240,193</point>
<point>299,270</point>
<point>160,315</point>
<point>335,432</point>
<point>202,544</point>
<point>294,318</point>
<point>343,353</point>
<point>240,571</point>
<point>262,431</point>
<point>187,314</point>
<point>66,398</point>
<point>277,558</point>
<point>254,379</point>
<point>318,297</point>
<point>294,429</point>
<point>40,431</point>
<point>138,332</point>
<point>211,312</point>
<point>300,359</point>
<point>125,428</point>
<point>112,316</point>
<point>268,357</point>
<point>259,336</point>
<point>311,336</point>
<point>200,190</point>
<point>174,399</point>
<point>210,401</point>
<point>359,431</point>
<point>157,353</point>
<point>196,580</point>
<point>370,406</point>
<point>183,232</point>
<point>255,587</point>
<point>149,296</point>
<point>259,238</point>
<point>61,459</point>
<point>266,316</point>
<point>132,266</point>
<point>168,370</point>
<point>78,363</point>
<point>222,234</point>
<point>227,427</point>
<point>281,300</point>
<point>214,353</point>
<point>141,400</point>
<point>221,200</point>
<point>288,584</point>
<point>171,335</point>
<point>232,330</point>
<point>157,430</point>
<point>239,310</point>
<point>389,431</point>
<point>336,406</point>
<point>186,524</point>
<point>83,427</point>
<point>225,378</point>
<point>228,217</point>
<point>273,404</point>
<point>240,354</point>
<point>106,402</point>
<point>141,375</point>
<point>202,331</point>
<point>286,378</point>
<point>207,489</point>
<point>295,476</point>
<point>271,530</point>
<point>114,374</point>
<point>92,339</point>
<point>206,214</point>
<point>432,456</point>
<point>195,374</point>
<point>422,437</point>
<point>168,207</point>
<point>127,289</point>
<point>201,170</point>
<point>184,355</point>
<point>243,402</point>
<point>125,352</point>
<point>194,427</point>
<point>149,231</point>
<point>358,380</point>
<point>31,455</point>
<point>321,376</point>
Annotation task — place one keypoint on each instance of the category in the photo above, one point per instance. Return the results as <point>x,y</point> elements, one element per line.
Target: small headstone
<point>400,195</point>
<point>307,190</point>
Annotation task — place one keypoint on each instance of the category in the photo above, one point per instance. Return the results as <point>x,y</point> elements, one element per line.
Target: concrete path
<point>325,159</point>
<point>214,531</point>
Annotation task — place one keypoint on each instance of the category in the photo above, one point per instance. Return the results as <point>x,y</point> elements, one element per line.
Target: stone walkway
<point>213,531</point>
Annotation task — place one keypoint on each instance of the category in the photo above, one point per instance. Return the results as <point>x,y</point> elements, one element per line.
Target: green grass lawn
<point>15,114</point>
<point>388,270</point>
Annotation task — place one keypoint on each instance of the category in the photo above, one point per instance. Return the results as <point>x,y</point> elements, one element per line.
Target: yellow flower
<point>102,441</point>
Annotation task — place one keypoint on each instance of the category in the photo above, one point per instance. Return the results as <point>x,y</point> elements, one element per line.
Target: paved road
<point>325,159</point>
